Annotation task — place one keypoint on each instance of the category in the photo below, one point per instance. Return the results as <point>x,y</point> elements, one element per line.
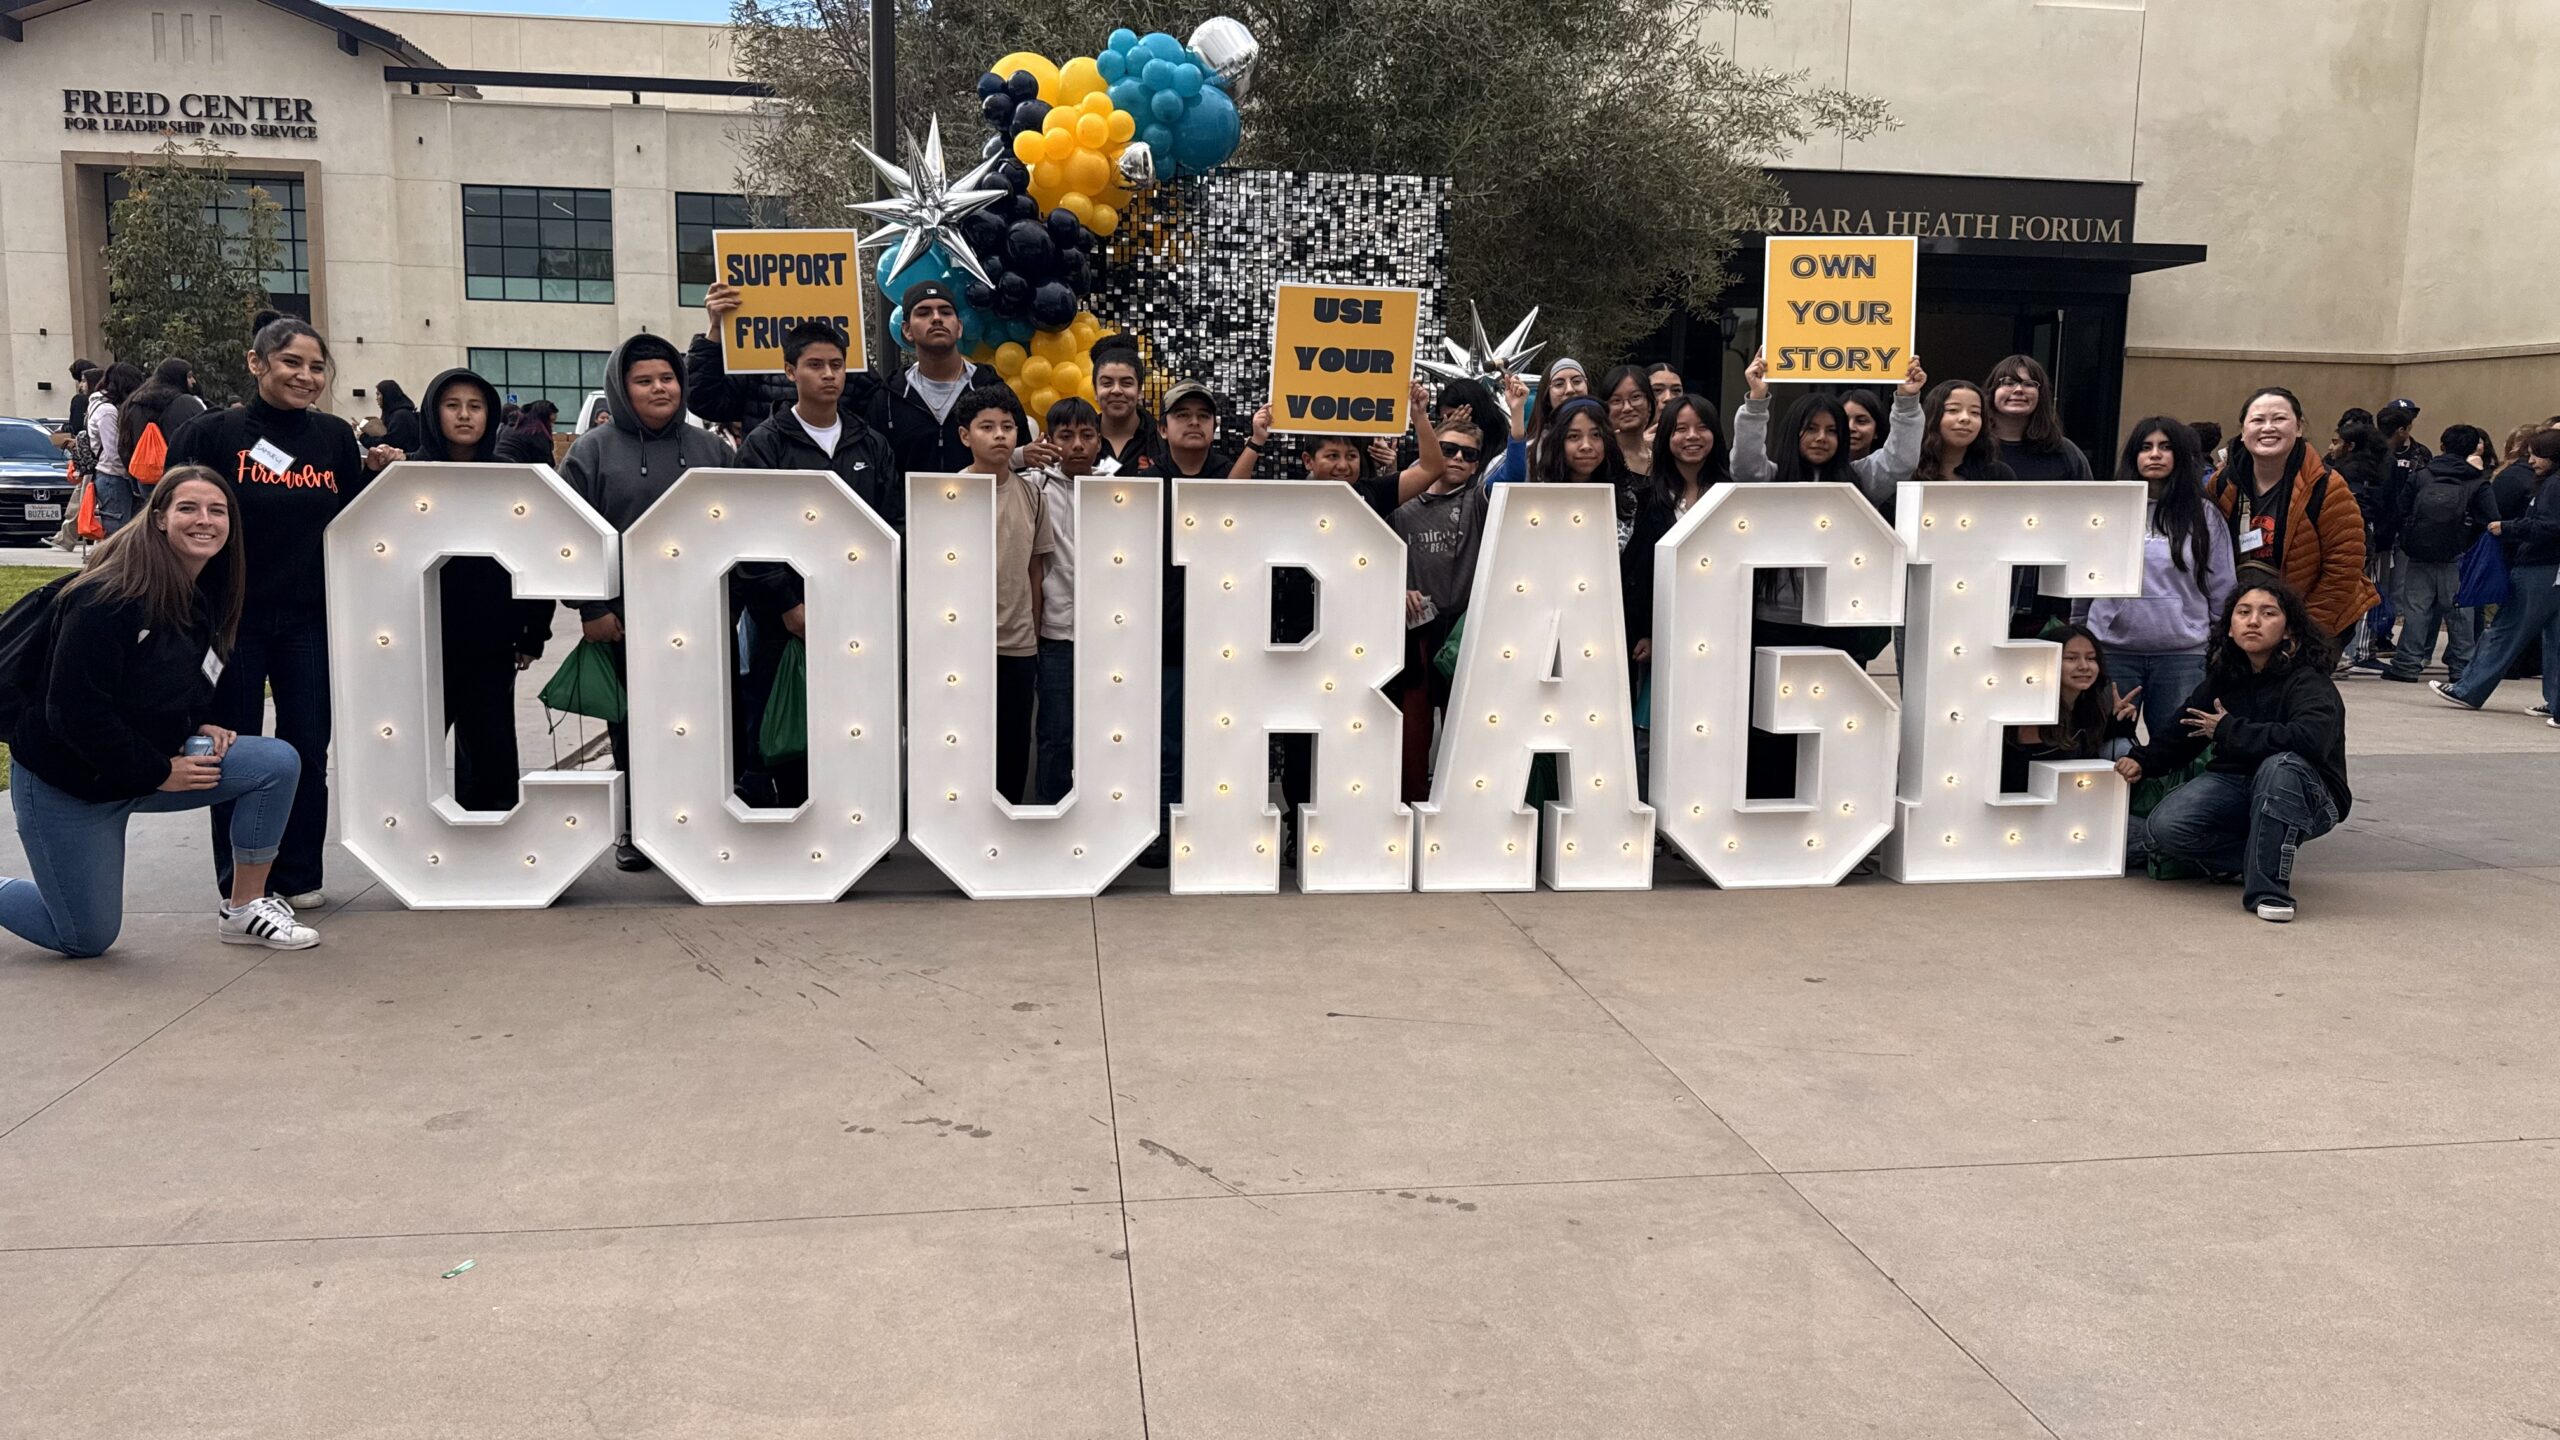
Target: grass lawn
<point>15,581</point>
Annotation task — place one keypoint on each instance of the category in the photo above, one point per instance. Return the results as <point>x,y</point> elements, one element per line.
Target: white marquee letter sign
<point>1542,670</point>
<point>992,848</point>
<point>1970,681</point>
<point>679,651</point>
<point>395,796</point>
<point>1705,699</point>
<point>1242,689</point>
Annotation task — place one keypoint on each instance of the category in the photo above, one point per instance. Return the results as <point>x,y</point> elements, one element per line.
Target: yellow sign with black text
<point>785,277</point>
<point>1342,359</point>
<point>1839,309</point>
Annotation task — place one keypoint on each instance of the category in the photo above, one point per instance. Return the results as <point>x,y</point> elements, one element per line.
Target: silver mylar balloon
<point>1230,50</point>
<point>1138,166</point>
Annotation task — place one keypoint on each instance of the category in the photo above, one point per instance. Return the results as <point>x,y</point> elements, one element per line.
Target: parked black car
<point>33,484</point>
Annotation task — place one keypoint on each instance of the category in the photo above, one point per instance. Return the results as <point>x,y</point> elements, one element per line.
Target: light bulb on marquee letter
<point>990,847</point>
<point>1710,688</point>
<point>1241,688</point>
<point>1968,681</point>
<point>1542,670</point>
<point>386,659</point>
<point>678,652</point>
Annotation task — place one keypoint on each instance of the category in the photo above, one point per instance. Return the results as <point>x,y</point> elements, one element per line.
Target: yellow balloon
<point>1035,372</point>
<point>1009,359</point>
<point>1028,148</point>
<point>1105,220</point>
<point>1074,203</point>
<point>1079,78</point>
<point>1040,68</point>
<point>1093,132</point>
<point>1123,126</point>
<point>1087,172</point>
<point>1048,179</point>
<point>1039,401</point>
<point>1067,375</point>
<point>1046,345</point>
<point>1096,105</point>
<point>1058,142</point>
<point>1085,328</point>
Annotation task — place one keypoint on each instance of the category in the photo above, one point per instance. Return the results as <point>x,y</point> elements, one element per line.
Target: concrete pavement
<point>2086,1159</point>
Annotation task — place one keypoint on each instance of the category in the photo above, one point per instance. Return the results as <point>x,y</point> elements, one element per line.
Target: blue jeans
<point>1057,723</point>
<point>2245,825</point>
<point>288,646</point>
<point>2426,595</point>
<point>2166,677</point>
<point>75,903</point>
<point>2532,611</point>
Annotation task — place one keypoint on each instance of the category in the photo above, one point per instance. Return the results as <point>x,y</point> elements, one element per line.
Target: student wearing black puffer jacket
<point>489,634</point>
<point>812,433</point>
<point>2532,610</point>
<point>2278,732</point>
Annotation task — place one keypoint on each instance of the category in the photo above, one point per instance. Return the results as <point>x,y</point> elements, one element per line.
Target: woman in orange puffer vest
<point>2290,516</point>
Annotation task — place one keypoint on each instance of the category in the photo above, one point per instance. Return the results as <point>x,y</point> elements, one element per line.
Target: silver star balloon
<point>929,205</point>
<point>1484,360</point>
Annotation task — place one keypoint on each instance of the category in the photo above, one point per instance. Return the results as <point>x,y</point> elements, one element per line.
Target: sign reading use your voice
<point>1839,308</point>
<point>785,277</point>
<point>1342,359</point>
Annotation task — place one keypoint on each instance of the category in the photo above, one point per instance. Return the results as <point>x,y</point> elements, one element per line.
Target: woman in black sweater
<point>2278,732</point>
<point>111,721</point>
<point>293,468</point>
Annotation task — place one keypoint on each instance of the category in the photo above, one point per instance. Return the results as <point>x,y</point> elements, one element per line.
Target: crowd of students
<point>2213,687</point>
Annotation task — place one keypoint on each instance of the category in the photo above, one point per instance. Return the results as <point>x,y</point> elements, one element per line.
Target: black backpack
<point>26,651</point>
<point>2439,527</point>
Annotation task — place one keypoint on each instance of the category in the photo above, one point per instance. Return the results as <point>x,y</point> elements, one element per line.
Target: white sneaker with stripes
<point>266,921</point>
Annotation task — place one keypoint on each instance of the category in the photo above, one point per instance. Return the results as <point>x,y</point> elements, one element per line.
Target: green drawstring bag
<point>786,707</point>
<point>586,684</point>
<point>2148,792</point>
<point>1446,662</point>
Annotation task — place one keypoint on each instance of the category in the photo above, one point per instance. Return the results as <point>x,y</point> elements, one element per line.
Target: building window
<point>563,377</point>
<point>523,243</point>
<point>288,286</point>
<point>696,217</point>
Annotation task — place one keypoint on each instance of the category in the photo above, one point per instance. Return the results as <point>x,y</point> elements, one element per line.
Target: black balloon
<point>1053,305</point>
<point>1013,296</point>
<point>1024,85</point>
<point>1016,177</point>
<point>1022,207</point>
<point>980,297</point>
<point>990,83</point>
<point>1030,115</point>
<point>1065,229</point>
<point>1029,250</point>
<point>999,109</point>
<point>1077,271</point>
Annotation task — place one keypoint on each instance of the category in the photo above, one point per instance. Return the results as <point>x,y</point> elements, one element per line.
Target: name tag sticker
<point>266,454</point>
<point>2252,539</point>
<point>213,667</point>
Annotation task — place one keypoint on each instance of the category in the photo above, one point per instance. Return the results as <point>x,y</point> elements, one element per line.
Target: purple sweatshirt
<point>2177,610</point>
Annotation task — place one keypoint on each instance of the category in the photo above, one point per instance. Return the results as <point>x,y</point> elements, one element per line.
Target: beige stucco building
<point>2347,196</point>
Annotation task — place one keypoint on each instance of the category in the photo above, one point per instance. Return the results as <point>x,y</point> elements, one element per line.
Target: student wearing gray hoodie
<point>621,468</point>
<point>2155,642</point>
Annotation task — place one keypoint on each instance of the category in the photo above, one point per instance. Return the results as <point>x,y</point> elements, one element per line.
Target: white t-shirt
<point>824,439</point>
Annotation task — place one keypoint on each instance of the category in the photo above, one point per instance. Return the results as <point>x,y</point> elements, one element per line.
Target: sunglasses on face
<point>1455,451</point>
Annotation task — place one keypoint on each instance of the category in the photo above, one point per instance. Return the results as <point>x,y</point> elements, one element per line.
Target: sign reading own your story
<point>1342,359</point>
<point>1840,308</point>
<point>901,700</point>
<point>785,277</point>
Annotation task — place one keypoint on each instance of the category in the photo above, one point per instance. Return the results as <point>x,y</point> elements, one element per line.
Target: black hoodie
<point>484,622</point>
<point>2289,706</point>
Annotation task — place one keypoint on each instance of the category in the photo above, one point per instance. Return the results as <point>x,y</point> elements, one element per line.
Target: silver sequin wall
<point>1193,268</point>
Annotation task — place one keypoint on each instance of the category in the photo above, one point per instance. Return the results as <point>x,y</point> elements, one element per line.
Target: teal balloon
<point>1186,80</point>
<point>1131,95</point>
<point>1124,40</point>
<point>1159,139</point>
<point>1208,134</point>
<point>1113,65</point>
<point>1167,106</point>
<point>1164,47</point>
<point>898,326</point>
<point>1158,74</point>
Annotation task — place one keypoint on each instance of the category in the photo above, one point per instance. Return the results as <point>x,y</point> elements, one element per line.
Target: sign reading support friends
<point>1840,308</point>
<point>785,277</point>
<point>1342,359</point>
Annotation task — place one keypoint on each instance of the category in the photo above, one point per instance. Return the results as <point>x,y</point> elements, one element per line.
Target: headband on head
<point>1566,363</point>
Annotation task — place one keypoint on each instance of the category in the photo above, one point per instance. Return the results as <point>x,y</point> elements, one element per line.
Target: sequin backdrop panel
<point>1194,266</point>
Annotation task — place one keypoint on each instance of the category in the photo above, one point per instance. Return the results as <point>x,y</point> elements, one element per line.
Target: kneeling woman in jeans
<point>2279,737</point>
<point>137,639</point>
